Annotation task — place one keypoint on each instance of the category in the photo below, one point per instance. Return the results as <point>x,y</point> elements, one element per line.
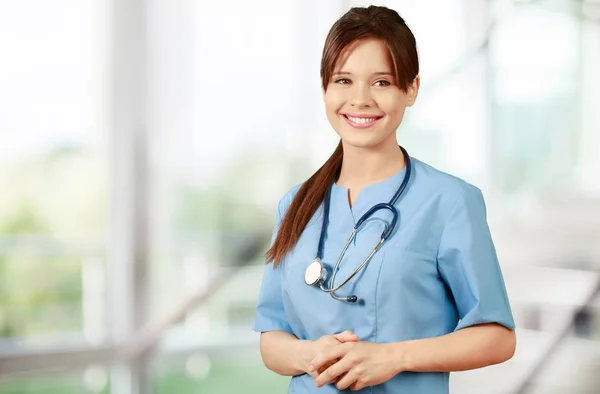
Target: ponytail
<point>304,205</point>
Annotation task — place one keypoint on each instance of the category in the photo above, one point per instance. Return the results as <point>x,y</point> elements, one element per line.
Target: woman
<point>428,297</point>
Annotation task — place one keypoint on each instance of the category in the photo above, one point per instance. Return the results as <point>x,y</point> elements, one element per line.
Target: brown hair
<point>358,23</point>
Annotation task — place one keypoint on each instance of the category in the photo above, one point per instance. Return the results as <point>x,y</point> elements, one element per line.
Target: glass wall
<point>53,171</point>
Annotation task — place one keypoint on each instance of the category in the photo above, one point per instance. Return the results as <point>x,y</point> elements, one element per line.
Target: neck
<point>365,166</point>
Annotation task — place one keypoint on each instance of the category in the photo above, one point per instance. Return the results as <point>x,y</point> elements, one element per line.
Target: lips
<point>361,121</point>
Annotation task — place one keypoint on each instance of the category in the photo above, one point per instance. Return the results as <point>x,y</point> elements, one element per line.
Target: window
<point>53,169</point>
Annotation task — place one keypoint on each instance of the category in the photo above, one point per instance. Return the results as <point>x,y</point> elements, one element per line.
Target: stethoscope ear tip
<point>352,298</point>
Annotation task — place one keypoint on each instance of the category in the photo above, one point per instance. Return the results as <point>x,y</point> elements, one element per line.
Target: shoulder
<point>286,200</point>
<point>447,189</point>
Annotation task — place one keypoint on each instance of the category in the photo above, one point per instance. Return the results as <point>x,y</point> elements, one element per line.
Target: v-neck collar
<point>376,193</point>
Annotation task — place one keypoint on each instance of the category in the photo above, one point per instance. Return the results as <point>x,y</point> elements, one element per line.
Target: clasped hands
<point>347,362</point>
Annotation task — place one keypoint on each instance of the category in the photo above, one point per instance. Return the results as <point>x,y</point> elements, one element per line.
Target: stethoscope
<point>316,274</point>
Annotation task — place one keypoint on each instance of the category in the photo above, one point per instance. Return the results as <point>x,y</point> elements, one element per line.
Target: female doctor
<point>382,276</point>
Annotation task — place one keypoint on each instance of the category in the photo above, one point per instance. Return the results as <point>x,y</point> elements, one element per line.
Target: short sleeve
<point>270,313</point>
<point>468,263</point>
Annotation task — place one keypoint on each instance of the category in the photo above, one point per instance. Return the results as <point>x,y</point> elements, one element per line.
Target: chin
<point>361,141</point>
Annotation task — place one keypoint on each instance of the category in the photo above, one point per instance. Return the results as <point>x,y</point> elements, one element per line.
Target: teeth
<point>362,120</point>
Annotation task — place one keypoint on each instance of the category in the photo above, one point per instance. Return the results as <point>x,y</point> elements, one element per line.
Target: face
<point>362,101</point>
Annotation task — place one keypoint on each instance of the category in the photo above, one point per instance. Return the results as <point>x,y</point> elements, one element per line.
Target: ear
<point>413,91</point>
<point>323,93</point>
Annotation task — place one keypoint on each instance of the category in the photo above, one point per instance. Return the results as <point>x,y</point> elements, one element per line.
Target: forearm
<point>469,348</point>
<point>285,354</point>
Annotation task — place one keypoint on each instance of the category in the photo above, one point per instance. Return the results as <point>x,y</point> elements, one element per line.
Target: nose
<point>361,96</point>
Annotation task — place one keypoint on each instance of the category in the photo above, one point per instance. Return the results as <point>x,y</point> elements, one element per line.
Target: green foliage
<point>224,377</point>
<point>24,220</point>
<point>52,384</point>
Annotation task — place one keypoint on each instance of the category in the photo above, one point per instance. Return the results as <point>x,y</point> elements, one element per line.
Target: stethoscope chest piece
<point>315,273</point>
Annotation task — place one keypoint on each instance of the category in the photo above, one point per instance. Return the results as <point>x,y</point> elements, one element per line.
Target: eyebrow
<point>349,73</point>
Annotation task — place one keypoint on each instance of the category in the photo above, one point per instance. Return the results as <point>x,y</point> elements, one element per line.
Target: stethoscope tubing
<point>384,236</point>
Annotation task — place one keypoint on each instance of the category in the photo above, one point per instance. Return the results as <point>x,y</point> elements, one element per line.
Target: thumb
<point>346,336</point>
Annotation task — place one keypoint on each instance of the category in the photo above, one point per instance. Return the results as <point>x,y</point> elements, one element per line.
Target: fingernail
<point>311,368</point>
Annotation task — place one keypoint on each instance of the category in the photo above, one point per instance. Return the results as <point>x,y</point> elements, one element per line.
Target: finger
<point>328,355</point>
<point>357,385</point>
<point>325,366</point>
<point>332,373</point>
<point>347,381</point>
<point>346,336</point>
<point>315,374</point>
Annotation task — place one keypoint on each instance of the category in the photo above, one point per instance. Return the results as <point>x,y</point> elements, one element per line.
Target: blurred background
<point>145,144</point>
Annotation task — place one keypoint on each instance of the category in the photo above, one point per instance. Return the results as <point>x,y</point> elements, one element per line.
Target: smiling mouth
<point>361,122</point>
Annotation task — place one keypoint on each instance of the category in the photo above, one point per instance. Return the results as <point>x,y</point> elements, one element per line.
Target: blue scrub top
<point>437,273</point>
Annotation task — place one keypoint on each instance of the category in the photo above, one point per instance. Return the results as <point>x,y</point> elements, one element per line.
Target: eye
<point>342,81</point>
<point>382,82</point>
